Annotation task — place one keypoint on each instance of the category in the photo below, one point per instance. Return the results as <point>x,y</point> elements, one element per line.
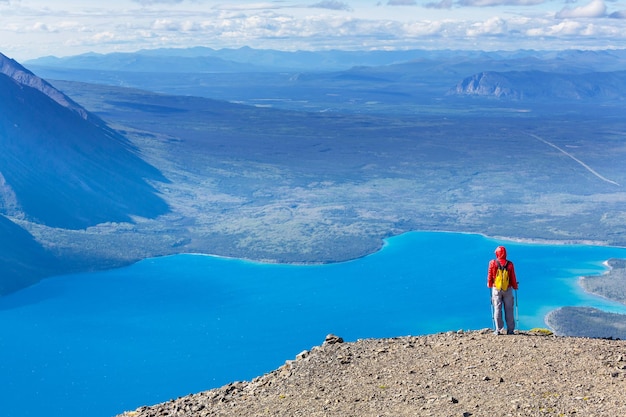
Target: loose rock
<point>448,374</point>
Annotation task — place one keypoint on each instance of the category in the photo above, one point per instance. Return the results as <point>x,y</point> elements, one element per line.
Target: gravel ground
<point>447,374</point>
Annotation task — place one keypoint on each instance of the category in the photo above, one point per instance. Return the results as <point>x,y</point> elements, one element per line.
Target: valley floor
<point>296,187</point>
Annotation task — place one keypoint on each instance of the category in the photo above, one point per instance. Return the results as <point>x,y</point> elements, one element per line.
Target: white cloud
<point>31,28</point>
<point>442,4</point>
<point>175,25</point>
<point>596,8</point>
<point>493,26</point>
<point>565,28</point>
<point>428,28</point>
<point>41,27</point>
<point>247,6</point>
<point>151,2</point>
<point>494,3</point>
<point>620,14</point>
<point>331,5</point>
<point>103,37</point>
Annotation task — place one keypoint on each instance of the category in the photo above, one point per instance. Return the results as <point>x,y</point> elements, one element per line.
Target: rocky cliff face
<point>521,85</point>
<point>13,70</point>
<point>490,84</point>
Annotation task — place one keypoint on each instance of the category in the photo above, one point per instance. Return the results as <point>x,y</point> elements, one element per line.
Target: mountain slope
<point>23,261</point>
<point>62,166</point>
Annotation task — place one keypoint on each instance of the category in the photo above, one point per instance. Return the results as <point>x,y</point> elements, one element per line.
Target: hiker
<point>501,279</point>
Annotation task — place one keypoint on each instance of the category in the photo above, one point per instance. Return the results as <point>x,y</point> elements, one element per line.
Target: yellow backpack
<point>502,276</point>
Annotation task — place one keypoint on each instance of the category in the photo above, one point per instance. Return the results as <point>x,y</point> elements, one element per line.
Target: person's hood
<point>501,253</point>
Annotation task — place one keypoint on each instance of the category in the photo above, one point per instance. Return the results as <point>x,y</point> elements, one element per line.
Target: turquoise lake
<point>102,343</point>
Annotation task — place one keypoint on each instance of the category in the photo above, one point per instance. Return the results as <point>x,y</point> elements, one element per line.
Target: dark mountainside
<point>86,172</point>
<point>63,168</point>
<point>23,260</point>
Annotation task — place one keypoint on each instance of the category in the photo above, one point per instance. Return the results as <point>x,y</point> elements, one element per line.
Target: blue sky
<point>34,28</point>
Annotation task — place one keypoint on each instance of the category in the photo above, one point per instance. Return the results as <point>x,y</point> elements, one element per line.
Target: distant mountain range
<point>245,59</point>
<point>245,74</point>
<point>201,59</point>
<point>62,167</point>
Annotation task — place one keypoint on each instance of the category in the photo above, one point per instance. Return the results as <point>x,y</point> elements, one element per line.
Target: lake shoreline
<point>592,322</point>
<point>556,320</point>
<point>553,320</point>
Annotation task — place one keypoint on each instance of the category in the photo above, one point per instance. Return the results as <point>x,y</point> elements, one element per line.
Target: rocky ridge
<point>448,374</point>
<point>523,85</point>
<point>22,76</point>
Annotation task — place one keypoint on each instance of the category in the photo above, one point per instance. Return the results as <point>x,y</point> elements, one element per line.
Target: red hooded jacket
<point>493,268</point>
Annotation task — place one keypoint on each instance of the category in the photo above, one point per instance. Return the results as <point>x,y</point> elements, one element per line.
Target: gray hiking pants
<point>506,299</point>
